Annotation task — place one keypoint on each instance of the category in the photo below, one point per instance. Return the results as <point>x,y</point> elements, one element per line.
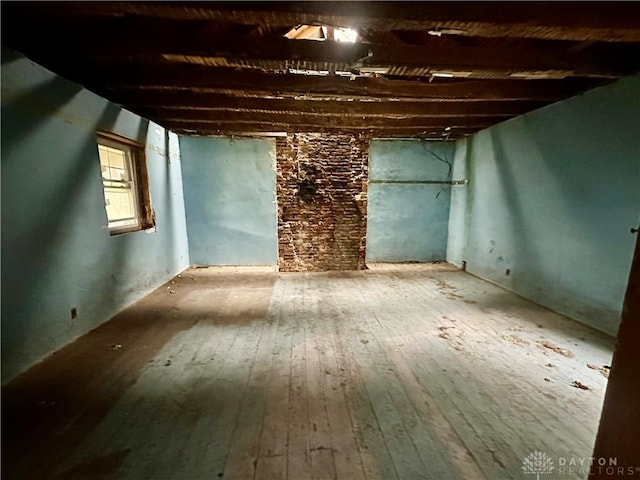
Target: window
<point>124,180</point>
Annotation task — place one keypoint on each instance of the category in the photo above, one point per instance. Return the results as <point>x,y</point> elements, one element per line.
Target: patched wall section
<point>230,200</point>
<point>322,201</point>
<point>408,200</point>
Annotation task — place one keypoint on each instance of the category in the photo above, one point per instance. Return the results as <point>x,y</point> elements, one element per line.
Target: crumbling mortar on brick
<point>329,230</point>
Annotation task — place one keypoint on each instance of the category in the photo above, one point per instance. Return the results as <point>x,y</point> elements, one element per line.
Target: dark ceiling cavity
<point>417,69</point>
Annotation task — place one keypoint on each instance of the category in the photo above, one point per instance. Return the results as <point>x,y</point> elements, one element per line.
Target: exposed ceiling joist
<point>599,21</point>
<point>197,77</point>
<point>210,128</point>
<point>218,102</point>
<point>465,62</point>
<point>433,69</point>
<point>192,42</point>
<point>129,95</point>
<point>300,119</point>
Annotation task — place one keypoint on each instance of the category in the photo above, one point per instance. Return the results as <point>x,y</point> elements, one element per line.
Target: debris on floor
<point>516,328</point>
<point>547,379</point>
<point>167,363</point>
<point>116,346</point>
<point>447,289</point>
<point>549,365</point>
<point>516,340</point>
<point>190,277</point>
<point>456,341</point>
<point>580,385</point>
<point>443,332</point>
<point>562,351</point>
<point>604,370</point>
<point>364,340</point>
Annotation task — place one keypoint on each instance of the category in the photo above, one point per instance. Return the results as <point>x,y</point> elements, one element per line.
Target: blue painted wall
<point>407,216</point>
<point>56,250</point>
<point>457,236</point>
<point>552,197</point>
<point>230,200</point>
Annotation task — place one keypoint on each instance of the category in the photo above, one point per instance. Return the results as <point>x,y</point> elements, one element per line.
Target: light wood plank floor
<point>399,372</point>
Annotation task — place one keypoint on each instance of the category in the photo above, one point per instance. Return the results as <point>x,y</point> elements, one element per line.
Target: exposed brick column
<point>322,201</point>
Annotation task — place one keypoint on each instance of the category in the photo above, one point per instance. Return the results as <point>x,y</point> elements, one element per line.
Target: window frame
<point>145,218</point>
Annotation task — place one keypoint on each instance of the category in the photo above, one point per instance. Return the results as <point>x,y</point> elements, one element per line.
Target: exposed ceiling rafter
<point>598,21</point>
<point>430,69</point>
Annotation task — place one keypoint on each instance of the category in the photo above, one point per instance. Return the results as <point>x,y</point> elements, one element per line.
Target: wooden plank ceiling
<point>441,70</point>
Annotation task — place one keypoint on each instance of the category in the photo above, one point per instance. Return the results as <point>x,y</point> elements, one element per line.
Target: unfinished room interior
<point>320,240</point>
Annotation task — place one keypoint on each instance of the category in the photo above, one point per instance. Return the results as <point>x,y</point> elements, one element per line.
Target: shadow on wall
<point>25,112</point>
<point>516,214</point>
<point>55,247</point>
<point>552,197</point>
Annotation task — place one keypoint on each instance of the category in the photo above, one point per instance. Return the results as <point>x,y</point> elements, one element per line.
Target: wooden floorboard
<point>398,372</point>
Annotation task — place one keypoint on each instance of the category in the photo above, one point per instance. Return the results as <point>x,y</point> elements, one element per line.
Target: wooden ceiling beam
<point>308,119</point>
<point>598,21</point>
<point>171,77</point>
<point>433,57</point>
<point>382,132</point>
<point>111,42</point>
<point>216,102</point>
<point>147,94</point>
<point>497,91</point>
<point>213,66</point>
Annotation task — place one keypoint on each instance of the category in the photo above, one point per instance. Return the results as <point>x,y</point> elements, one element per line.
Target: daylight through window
<point>124,183</point>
